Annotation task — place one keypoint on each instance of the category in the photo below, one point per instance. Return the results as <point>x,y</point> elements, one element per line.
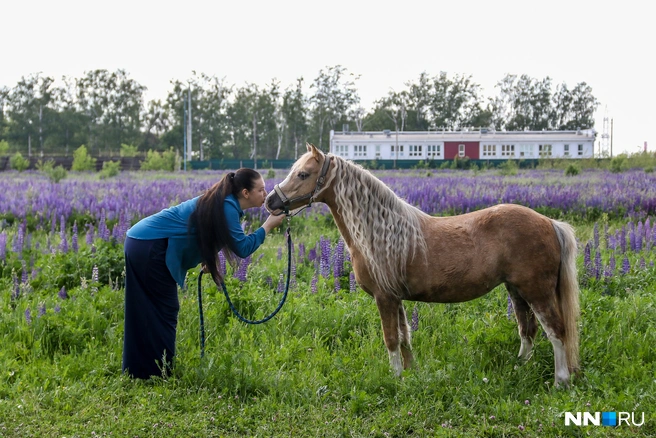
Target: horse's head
<point>303,184</point>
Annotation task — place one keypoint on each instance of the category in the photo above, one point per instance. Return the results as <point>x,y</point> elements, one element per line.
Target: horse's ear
<point>316,153</point>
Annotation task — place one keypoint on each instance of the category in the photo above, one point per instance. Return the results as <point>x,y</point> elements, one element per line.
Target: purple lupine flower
<point>587,260</point>
<point>281,283</point>
<point>16,292</point>
<point>292,272</point>
<point>241,273</point>
<point>509,309</point>
<point>324,263</point>
<point>607,272</point>
<point>414,323</point>
<point>90,234</point>
<point>28,316</point>
<point>62,293</point>
<point>57,308</point>
<point>63,245</point>
<point>338,259</point>
<point>598,266</point>
<point>301,251</point>
<point>312,254</point>
<point>338,285</point>
<point>611,263</point>
<point>42,310</point>
<point>222,263</point>
<point>24,272</point>
<point>626,266</point>
<point>74,246</point>
<point>19,240</point>
<point>352,282</point>
<point>313,283</point>
<point>269,281</point>
<point>612,244</point>
<point>3,246</point>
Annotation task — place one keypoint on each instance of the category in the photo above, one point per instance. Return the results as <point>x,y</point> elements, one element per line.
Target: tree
<point>419,94</point>
<point>212,115</point>
<point>29,111</point>
<point>69,122</point>
<point>581,109</point>
<point>114,104</point>
<point>334,95</point>
<point>454,103</point>
<point>294,110</point>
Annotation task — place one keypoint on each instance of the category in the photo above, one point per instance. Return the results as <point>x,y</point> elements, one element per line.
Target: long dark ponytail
<point>208,221</point>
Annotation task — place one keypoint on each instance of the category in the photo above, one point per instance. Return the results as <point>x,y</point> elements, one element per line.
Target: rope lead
<point>232,307</point>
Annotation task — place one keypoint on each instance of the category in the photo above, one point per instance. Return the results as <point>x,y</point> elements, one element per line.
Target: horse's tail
<point>568,292</point>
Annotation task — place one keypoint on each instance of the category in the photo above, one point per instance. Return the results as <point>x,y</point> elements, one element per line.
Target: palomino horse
<point>400,253</point>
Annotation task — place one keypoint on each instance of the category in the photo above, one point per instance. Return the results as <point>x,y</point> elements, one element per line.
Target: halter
<point>286,202</point>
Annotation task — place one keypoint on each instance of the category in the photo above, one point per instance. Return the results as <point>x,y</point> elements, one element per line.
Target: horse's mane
<point>384,228</point>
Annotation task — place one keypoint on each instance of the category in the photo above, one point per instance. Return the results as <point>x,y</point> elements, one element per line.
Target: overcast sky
<point>388,43</point>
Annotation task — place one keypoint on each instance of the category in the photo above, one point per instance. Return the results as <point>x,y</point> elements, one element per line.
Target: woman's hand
<point>273,222</point>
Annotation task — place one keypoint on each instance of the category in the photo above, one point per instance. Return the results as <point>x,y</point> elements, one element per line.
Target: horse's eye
<point>303,175</point>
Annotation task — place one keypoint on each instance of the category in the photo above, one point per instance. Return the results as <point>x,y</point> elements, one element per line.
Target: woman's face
<point>256,196</point>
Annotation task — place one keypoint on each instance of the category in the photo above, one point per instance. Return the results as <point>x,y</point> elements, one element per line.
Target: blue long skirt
<point>151,309</point>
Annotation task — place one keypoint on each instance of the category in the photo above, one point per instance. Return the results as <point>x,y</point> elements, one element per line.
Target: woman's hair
<point>208,220</point>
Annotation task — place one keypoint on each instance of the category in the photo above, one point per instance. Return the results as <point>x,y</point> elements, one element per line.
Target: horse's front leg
<point>406,338</point>
<point>388,308</point>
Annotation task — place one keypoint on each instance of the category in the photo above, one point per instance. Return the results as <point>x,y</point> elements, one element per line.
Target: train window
<point>377,151</point>
<point>461,150</point>
<point>566,150</point>
<point>580,149</point>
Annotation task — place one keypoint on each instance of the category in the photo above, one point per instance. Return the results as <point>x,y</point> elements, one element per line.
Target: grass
<point>320,367</point>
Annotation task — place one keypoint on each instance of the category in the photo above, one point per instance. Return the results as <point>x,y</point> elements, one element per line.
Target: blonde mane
<point>384,228</point>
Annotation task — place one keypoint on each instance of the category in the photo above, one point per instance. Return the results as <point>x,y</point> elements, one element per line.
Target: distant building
<point>481,144</point>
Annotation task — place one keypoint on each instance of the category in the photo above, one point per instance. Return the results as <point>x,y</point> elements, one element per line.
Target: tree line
<point>104,110</point>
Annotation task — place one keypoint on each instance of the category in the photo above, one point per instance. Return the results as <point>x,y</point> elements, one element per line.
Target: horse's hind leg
<point>406,338</point>
<point>525,320</point>
<point>388,308</point>
<point>552,323</point>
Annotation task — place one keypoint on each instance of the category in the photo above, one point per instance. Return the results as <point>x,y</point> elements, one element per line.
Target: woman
<point>160,249</point>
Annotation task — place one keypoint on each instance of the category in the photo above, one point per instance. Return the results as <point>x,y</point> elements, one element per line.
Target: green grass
<point>320,367</point>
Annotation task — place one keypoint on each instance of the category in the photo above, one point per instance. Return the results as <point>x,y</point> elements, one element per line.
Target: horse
<point>400,253</point>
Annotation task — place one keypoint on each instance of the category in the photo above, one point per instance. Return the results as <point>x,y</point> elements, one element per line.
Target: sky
<point>611,47</point>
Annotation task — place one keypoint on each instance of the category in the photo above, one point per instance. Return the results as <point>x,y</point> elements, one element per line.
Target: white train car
<point>479,144</point>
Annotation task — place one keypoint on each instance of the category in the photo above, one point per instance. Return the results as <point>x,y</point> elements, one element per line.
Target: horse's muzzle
<point>274,204</point>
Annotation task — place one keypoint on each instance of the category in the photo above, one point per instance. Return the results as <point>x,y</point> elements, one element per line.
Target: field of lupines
<point>320,367</point>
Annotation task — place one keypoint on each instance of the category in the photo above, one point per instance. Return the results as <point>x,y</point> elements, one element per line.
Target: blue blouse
<point>183,253</point>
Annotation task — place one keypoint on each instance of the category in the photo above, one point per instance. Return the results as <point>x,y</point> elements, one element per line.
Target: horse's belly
<point>451,294</point>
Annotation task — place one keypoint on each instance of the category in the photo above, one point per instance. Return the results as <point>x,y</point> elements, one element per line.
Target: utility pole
<point>611,138</point>
<point>184,133</point>
<point>189,142</point>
